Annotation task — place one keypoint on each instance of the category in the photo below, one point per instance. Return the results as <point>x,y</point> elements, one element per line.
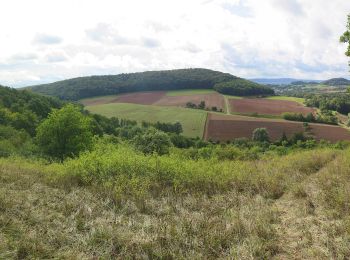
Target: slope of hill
<point>84,87</point>
<point>337,82</point>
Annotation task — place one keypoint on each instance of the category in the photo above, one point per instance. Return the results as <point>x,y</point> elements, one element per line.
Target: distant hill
<point>337,82</point>
<point>301,82</point>
<point>84,87</point>
<point>280,81</point>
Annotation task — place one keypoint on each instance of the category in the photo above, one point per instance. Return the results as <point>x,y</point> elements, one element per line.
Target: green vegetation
<point>260,135</point>
<point>295,99</point>
<point>323,117</point>
<point>116,202</point>
<point>192,121</point>
<point>105,99</point>
<point>79,88</point>
<point>65,132</point>
<point>345,38</point>
<point>153,141</point>
<point>242,87</point>
<point>336,82</point>
<point>182,79</point>
<point>336,102</point>
<point>188,92</point>
<point>132,190</point>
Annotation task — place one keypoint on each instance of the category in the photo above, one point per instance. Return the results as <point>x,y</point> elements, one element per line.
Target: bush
<point>260,135</point>
<point>65,133</point>
<point>153,141</point>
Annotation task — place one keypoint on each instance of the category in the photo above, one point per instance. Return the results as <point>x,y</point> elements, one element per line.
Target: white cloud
<point>250,38</point>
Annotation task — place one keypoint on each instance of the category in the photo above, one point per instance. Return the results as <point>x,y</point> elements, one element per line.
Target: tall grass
<point>127,171</point>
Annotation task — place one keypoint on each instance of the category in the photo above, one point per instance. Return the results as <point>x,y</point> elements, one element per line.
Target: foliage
<point>182,79</point>
<point>152,141</point>
<point>345,38</point>
<point>242,87</point>
<point>325,117</point>
<point>336,102</point>
<point>175,128</point>
<point>65,133</point>
<point>260,135</point>
<point>336,82</point>
<point>24,110</point>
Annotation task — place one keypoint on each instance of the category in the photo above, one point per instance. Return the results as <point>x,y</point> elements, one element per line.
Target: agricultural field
<point>163,98</point>
<point>223,128</point>
<point>295,99</point>
<point>187,92</point>
<point>262,106</point>
<point>192,120</point>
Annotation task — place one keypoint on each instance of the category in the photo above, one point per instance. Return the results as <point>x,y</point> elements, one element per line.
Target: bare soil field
<point>223,128</point>
<point>267,106</point>
<point>142,98</point>
<point>159,98</point>
<point>211,100</point>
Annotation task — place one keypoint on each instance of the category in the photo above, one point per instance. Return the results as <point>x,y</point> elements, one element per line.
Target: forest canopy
<point>242,87</point>
<point>84,87</point>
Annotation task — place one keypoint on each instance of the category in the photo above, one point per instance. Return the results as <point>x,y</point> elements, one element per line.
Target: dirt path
<point>227,105</point>
<point>303,227</point>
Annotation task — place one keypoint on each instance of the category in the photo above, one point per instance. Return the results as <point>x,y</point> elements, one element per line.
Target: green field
<point>187,92</point>
<point>296,99</point>
<point>106,99</point>
<point>193,121</point>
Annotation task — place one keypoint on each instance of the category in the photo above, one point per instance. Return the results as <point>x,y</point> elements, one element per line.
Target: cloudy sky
<point>48,40</point>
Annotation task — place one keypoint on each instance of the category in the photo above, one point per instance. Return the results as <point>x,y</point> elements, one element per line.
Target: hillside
<point>337,82</point>
<point>84,87</point>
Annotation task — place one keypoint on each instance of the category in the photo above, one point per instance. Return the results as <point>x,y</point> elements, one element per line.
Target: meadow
<point>114,202</point>
<point>192,120</point>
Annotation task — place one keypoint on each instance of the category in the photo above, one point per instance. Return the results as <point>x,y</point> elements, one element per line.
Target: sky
<point>48,40</point>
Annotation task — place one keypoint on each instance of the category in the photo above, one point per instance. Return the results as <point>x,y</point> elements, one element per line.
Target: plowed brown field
<point>223,128</point>
<point>142,98</point>
<point>267,106</point>
<point>211,100</point>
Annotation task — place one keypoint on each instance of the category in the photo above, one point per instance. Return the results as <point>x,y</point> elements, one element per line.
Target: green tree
<point>153,141</point>
<point>260,135</point>
<point>65,133</point>
<point>345,38</point>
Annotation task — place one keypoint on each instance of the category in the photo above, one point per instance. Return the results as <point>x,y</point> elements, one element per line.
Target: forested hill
<point>83,87</point>
<point>337,82</point>
<point>23,110</point>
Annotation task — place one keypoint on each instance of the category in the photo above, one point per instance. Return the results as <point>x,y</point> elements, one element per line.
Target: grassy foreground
<point>192,120</point>
<point>116,203</point>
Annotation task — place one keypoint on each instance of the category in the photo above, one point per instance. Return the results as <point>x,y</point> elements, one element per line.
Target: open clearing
<point>223,128</point>
<point>163,98</point>
<point>192,120</point>
<point>295,99</point>
<point>263,106</point>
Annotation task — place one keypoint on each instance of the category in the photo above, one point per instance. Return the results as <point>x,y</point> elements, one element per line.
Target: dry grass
<point>291,207</point>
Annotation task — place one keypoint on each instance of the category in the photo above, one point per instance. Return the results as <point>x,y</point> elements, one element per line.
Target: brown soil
<point>223,128</point>
<point>143,98</point>
<point>267,106</point>
<point>211,100</point>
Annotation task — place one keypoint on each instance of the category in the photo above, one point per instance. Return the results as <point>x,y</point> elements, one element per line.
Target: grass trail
<point>227,105</point>
<point>303,226</point>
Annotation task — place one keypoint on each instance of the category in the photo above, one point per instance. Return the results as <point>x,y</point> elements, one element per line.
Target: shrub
<point>260,135</point>
<point>153,141</point>
<point>65,133</point>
